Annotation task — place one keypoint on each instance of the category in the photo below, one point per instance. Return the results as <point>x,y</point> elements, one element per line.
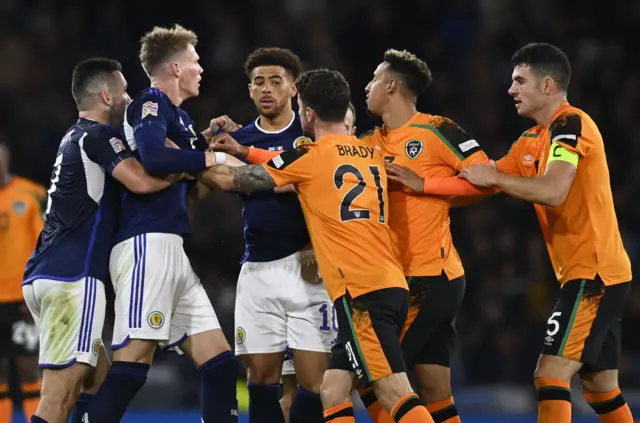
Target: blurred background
<point>467,44</point>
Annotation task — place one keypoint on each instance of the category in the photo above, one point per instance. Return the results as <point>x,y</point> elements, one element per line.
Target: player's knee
<point>263,369</point>
<point>389,390</point>
<point>602,381</point>
<point>136,351</point>
<point>63,386</point>
<point>336,388</point>
<point>434,382</point>
<point>204,346</point>
<point>554,367</point>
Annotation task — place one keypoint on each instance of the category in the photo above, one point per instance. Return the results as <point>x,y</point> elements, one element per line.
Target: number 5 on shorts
<point>554,325</point>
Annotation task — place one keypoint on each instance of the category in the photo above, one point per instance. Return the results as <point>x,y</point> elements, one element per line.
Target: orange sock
<point>554,400</point>
<point>376,412</point>
<point>30,398</point>
<point>6,404</point>
<point>610,406</point>
<point>409,409</point>
<point>341,413</point>
<point>444,411</point>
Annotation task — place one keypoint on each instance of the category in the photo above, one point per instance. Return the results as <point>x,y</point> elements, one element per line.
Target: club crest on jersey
<point>301,141</point>
<point>95,347</point>
<point>116,144</point>
<point>241,335</point>
<point>149,109</point>
<point>155,319</point>
<point>19,207</point>
<point>413,148</point>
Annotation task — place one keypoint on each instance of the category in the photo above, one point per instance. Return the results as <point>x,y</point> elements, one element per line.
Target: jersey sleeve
<point>567,131</point>
<point>509,163</point>
<point>458,150</point>
<point>104,147</point>
<point>293,166</point>
<point>149,118</point>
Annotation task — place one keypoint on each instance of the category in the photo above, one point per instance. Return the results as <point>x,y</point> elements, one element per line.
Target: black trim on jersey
<point>283,160</point>
<point>569,124</point>
<point>457,136</point>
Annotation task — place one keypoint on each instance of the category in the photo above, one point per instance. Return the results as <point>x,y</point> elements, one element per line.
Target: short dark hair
<point>326,92</point>
<point>273,56</point>
<point>413,71</point>
<point>546,60</point>
<point>90,73</point>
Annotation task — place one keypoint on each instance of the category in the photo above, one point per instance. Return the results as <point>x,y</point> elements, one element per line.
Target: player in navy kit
<point>63,282</point>
<point>280,299</point>
<point>159,298</point>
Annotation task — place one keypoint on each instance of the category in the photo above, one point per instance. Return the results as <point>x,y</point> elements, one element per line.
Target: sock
<point>409,409</point>
<point>30,398</point>
<point>6,404</point>
<point>341,413</point>
<point>36,419</point>
<point>82,407</point>
<point>219,377</point>
<point>444,411</point>
<point>610,406</point>
<point>264,404</point>
<point>370,401</point>
<point>306,407</point>
<point>121,385</point>
<point>554,400</point>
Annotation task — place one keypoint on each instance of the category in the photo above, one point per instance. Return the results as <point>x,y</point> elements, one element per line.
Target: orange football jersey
<point>581,234</point>
<point>342,186</point>
<point>432,147</point>
<point>20,226</point>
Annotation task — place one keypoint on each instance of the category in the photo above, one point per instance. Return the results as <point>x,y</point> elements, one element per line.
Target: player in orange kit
<point>342,187</point>
<point>432,147</point>
<point>21,203</point>
<point>560,165</point>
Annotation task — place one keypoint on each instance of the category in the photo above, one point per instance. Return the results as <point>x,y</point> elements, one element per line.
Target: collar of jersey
<point>257,124</point>
<point>564,106</point>
<point>414,118</point>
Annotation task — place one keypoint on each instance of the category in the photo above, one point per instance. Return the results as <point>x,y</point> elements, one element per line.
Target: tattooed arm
<point>243,178</point>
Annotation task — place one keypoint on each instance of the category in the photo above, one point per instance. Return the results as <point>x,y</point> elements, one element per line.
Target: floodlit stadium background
<point>467,44</point>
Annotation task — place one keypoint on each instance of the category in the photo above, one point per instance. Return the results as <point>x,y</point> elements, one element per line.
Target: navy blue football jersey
<point>82,208</point>
<point>274,224</point>
<point>150,118</point>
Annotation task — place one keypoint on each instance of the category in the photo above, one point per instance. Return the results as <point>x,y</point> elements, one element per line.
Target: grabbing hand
<point>223,123</point>
<point>480,175</point>
<point>227,144</point>
<point>405,176</point>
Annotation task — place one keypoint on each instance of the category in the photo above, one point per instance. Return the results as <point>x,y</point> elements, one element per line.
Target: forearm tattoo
<point>252,178</point>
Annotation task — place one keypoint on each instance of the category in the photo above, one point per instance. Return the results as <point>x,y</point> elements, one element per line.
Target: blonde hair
<point>160,44</point>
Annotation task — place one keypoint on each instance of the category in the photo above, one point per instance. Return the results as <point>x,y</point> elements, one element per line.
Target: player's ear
<point>353,130</point>
<point>293,90</point>
<point>547,85</point>
<point>392,85</point>
<point>310,114</point>
<point>174,68</point>
<point>105,97</point>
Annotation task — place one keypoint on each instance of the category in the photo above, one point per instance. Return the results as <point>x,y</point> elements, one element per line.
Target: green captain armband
<point>559,153</point>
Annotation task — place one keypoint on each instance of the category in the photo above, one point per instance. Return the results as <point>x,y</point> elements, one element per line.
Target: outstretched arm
<point>243,178</point>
